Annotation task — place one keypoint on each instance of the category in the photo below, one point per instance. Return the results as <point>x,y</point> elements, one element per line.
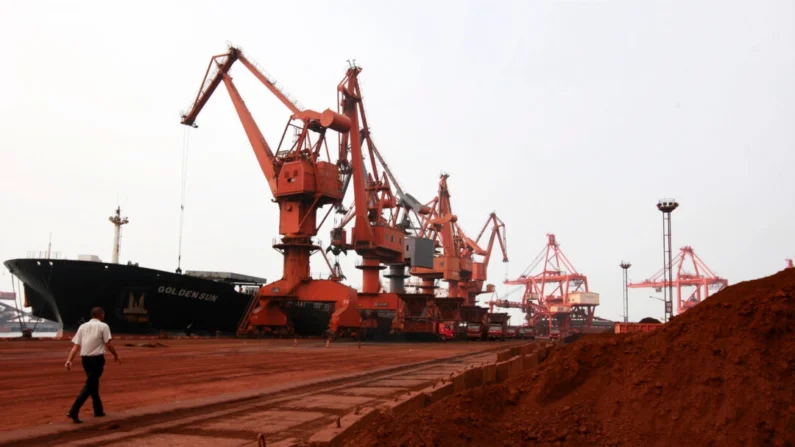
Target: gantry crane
<point>701,277</point>
<point>557,295</point>
<point>380,240</point>
<point>455,264</point>
<point>302,181</point>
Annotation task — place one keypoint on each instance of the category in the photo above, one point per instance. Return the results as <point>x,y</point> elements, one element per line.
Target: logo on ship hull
<point>135,312</point>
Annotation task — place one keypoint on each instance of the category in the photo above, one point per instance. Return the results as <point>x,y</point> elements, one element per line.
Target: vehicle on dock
<point>475,331</point>
<point>511,333</point>
<point>526,333</point>
<point>496,332</point>
<point>447,330</point>
<point>498,323</point>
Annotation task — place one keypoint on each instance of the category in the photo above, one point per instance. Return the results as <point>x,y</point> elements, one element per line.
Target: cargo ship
<point>136,300</point>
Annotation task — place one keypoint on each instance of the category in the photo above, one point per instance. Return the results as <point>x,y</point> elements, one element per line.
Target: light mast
<point>117,222</point>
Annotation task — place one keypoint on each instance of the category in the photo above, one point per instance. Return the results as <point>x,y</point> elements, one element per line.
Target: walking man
<point>91,340</point>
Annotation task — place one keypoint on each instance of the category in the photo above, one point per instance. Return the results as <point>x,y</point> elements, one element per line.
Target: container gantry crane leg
<point>301,183</point>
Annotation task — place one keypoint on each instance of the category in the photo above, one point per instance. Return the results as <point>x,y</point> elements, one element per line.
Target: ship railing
<point>44,255</point>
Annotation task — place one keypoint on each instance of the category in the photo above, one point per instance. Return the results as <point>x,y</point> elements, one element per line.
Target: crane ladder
<point>243,325</point>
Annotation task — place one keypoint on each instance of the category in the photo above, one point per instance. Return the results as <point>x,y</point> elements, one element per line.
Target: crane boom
<point>261,148</point>
<point>269,163</point>
<point>223,63</point>
<point>301,184</point>
<point>498,233</point>
<point>209,84</point>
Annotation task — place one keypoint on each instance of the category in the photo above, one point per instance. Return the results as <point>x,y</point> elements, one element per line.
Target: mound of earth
<point>650,320</point>
<point>721,374</point>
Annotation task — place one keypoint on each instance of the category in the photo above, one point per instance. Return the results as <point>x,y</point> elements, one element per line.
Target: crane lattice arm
<point>497,232</point>
<point>218,71</point>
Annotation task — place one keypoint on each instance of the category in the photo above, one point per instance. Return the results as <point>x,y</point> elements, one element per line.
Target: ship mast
<point>117,222</point>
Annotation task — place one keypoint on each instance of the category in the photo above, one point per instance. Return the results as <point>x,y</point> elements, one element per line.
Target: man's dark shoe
<point>99,415</point>
<point>74,418</point>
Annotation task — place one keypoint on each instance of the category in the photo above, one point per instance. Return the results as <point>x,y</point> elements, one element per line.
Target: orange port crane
<point>700,277</point>
<point>379,240</point>
<point>557,295</point>
<point>456,263</point>
<point>474,286</point>
<point>301,182</point>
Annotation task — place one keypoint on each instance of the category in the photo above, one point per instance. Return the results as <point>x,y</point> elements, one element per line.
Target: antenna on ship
<point>117,222</point>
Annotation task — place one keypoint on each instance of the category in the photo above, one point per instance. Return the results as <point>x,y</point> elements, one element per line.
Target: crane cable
<point>185,151</point>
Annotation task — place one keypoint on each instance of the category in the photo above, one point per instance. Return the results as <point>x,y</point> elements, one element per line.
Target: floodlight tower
<point>625,266</point>
<point>666,206</point>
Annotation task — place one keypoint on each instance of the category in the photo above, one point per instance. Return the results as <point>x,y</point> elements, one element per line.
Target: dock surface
<point>199,391</point>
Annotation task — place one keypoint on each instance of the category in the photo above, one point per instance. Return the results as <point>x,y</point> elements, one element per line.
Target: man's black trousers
<point>93,365</point>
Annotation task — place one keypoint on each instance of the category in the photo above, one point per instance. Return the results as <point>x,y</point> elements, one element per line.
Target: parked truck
<point>498,325</point>
<point>475,331</point>
<point>446,330</point>
<point>511,332</point>
<point>526,333</point>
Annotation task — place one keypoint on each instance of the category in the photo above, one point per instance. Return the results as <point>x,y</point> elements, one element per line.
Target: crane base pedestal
<point>268,318</point>
<point>379,313</point>
<point>399,316</point>
<point>474,314</point>
<point>420,314</point>
<point>310,307</point>
<point>449,309</point>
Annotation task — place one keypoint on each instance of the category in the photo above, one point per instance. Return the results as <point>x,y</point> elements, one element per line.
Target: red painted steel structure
<point>547,293</point>
<point>701,277</point>
<point>301,182</point>
<point>377,237</point>
<point>456,263</point>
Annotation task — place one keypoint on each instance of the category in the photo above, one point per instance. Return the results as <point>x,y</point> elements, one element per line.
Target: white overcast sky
<point>569,117</point>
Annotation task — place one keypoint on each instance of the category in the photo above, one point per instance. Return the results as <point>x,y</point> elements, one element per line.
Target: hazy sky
<point>571,118</point>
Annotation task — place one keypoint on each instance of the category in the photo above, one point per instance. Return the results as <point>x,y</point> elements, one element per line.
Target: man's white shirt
<point>92,336</point>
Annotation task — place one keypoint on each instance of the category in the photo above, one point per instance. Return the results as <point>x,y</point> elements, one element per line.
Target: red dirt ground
<point>37,389</point>
<point>722,374</point>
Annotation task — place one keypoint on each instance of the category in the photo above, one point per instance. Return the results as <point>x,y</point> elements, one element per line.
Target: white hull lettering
<point>188,293</point>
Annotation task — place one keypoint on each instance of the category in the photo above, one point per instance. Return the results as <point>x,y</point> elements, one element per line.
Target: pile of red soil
<point>721,374</point>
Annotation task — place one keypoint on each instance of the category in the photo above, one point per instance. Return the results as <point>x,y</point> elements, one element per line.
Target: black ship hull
<point>136,300</point>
